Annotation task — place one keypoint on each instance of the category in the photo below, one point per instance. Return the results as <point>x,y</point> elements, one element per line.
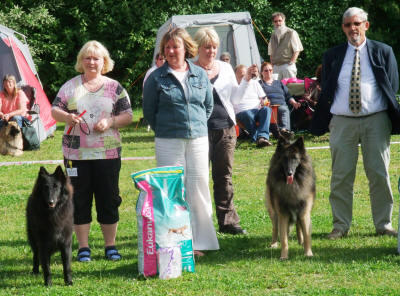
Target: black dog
<point>49,216</point>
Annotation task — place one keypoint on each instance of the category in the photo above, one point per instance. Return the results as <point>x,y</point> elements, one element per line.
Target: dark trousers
<point>222,146</point>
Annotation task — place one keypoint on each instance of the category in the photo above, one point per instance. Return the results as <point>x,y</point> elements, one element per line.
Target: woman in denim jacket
<point>177,101</point>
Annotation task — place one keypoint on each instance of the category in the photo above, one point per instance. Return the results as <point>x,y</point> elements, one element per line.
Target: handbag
<point>31,140</point>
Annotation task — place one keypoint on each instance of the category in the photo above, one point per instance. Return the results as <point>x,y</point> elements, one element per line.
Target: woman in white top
<point>221,126</point>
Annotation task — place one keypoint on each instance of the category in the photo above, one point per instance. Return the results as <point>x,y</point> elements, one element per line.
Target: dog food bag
<point>169,262</point>
<point>163,219</point>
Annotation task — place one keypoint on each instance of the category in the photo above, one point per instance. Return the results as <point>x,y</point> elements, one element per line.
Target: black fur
<point>290,202</point>
<point>49,216</point>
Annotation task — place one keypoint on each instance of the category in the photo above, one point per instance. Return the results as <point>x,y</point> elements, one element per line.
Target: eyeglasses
<point>356,24</point>
<point>268,70</point>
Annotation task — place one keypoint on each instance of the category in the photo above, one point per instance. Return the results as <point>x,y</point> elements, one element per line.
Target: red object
<point>80,115</point>
<point>274,115</point>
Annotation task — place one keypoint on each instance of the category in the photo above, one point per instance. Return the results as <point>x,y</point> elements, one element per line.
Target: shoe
<point>230,229</point>
<point>388,232</point>
<point>336,234</point>
<point>263,142</point>
<point>84,255</point>
<point>112,254</point>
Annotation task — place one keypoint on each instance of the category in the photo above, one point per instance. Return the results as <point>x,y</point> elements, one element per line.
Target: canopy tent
<point>15,59</point>
<point>234,29</point>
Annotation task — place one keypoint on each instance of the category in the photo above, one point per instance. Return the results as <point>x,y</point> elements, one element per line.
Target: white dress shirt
<point>371,95</point>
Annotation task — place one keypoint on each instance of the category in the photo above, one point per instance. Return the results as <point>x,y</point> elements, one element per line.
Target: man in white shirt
<point>359,109</point>
<point>251,110</point>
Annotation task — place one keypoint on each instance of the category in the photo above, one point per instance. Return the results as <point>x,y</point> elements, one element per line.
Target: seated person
<point>301,118</point>
<point>252,109</point>
<point>225,57</point>
<point>278,94</point>
<point>312,93</point>
<point>13,102</point>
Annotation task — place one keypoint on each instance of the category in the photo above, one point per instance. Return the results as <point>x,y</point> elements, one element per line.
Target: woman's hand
<point>73,119</point>
<point>103,125</point>
<point>294,103</point>
<point>6,117</point>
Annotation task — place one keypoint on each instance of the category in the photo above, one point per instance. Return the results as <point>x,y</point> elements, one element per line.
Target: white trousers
<point>192,154</point>
<point>285,71</point>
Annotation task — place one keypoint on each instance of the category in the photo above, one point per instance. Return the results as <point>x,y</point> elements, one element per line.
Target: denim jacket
<point>169,112</point>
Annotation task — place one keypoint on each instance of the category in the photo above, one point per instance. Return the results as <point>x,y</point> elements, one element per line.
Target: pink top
<point>8,106</point>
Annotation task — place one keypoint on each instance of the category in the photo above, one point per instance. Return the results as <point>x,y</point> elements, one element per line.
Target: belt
<point>361,116</point>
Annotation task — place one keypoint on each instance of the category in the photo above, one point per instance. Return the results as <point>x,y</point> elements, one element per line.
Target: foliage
<point>56,30</point>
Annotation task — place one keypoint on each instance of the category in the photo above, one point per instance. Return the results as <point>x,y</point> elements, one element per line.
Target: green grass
<point>361,264</point>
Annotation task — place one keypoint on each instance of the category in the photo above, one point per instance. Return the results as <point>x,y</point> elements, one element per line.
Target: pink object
<point>308,82</point>
<point>291,80</point>
<point>8,106</point>
<point>149,232</point>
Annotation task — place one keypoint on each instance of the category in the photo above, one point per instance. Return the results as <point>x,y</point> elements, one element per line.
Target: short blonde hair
<point>205,36</point>
<point>188,43</point>
<point>96,48</point>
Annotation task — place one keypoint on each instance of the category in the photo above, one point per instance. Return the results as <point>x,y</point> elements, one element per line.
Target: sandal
<point>84,255</point>
<point>112,253</point>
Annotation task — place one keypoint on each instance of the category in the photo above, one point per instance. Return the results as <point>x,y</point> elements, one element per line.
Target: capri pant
<point>98,178</point>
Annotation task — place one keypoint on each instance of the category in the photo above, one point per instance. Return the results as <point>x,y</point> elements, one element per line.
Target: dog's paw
<point>308,254</point>
<point>68,283</point>
<point>274,245</point>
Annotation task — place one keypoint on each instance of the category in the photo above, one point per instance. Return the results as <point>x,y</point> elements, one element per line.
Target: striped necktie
<point>355,85</point>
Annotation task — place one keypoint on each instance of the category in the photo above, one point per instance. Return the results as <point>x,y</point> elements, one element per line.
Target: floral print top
<point>83,143</point>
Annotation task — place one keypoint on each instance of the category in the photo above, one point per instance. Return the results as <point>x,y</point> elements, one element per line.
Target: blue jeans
<point>250,117</point>
<point>284,117</point>
<point>17,118</point>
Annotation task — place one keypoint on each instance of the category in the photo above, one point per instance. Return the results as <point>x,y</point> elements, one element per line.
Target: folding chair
<point>33,107</point>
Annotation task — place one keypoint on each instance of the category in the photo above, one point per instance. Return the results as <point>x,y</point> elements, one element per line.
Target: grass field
<point>361,264</point>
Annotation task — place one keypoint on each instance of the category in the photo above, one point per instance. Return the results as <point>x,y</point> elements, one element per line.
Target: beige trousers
<point>373,134</point>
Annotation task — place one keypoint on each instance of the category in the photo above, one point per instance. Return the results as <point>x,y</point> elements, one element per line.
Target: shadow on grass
<point>257,248</point>
<point>138,139</point>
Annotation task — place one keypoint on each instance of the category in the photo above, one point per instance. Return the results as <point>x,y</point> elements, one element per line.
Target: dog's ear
<point>282,142</point>
<point>59,173</point>
<point>300,144</point>
<point>43,171</point>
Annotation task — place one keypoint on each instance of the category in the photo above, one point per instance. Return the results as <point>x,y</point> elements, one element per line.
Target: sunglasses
<point>356,24</point>
<point>268,70</point>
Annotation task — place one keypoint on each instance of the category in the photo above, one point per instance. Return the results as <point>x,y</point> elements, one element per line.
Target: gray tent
<point>234,30</point>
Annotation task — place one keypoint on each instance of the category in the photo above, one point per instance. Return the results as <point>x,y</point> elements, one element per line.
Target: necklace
<point>208,69</point>
<point>94,84</point>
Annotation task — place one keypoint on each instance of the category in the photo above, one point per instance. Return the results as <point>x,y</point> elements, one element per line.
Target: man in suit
<point>359,109</point>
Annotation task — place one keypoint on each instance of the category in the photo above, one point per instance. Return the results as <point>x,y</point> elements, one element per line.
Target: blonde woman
<point>221,126</point>
<point>93,107</point>
<point>177,101</point>
<point>13,102</point>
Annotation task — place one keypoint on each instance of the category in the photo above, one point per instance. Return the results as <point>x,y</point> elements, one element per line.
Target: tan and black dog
<point>11,142</point>
<point>290,194</point>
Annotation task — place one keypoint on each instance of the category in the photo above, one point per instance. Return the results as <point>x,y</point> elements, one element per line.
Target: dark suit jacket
<point>384,67</point>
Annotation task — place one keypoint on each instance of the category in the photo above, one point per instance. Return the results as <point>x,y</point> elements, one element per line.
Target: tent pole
<point>265,40</point>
